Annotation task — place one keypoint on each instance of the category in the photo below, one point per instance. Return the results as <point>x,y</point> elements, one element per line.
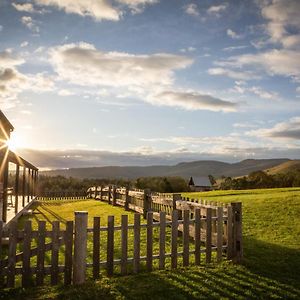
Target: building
<point>200,184</point>
<point>23,184</point>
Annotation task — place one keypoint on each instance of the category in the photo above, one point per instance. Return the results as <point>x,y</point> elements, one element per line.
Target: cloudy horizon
<point>140,82</point>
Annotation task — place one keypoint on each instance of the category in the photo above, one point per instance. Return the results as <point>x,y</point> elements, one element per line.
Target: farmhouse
<point>200,184</point>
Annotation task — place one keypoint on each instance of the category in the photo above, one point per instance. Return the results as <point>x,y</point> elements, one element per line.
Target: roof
<point>201,181</point>
<point>5,121</point>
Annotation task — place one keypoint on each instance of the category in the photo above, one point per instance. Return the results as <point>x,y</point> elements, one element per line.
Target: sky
<point>141,82</point>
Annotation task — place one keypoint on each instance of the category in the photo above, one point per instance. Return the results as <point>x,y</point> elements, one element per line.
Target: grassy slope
<point>271,268</point>
<point>285,167</point>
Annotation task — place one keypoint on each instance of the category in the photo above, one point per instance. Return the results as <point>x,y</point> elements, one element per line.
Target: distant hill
<point>185,169</point>
<point>285,167</point>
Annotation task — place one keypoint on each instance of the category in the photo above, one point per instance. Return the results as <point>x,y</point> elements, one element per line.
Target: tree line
<point>48,184</point>
<point>261,179</point>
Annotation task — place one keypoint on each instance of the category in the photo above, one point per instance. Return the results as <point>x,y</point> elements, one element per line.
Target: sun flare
<point>14,143</point>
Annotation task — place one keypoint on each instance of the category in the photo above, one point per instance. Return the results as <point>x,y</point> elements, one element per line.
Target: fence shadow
<point>269,271</point>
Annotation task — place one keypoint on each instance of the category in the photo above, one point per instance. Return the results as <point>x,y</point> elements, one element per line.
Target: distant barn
<point>200,184</point>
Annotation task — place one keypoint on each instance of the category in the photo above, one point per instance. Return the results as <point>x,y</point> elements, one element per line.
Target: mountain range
<point>185,169</point>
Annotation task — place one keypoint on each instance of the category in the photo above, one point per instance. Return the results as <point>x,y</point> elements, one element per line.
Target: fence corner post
<point>237,232</point>
<point>114,195</point>
<point>175,198</point>
<point>126,199</point>
<point>146,202</point>
<point>80,247</point>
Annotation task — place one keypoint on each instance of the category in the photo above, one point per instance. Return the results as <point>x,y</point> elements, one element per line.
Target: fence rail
<point>167,231</point>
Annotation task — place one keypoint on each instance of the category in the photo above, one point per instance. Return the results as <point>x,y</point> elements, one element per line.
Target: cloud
<point>263,93</point>
<point>232,48</point>
<point>1,28</point>
<point>137,6</point>
<point>24,7</point>
<point>13,82</point>
<point>283,21</point>
<point>7,59</point>
<point>97,9</point>
<point>191,101</point>
<point>192,9</point>
<point>216,10</point>
<point>241,75</point>
<point>233,34</point>
<point>30,23</point>
<point>83,64</point>
<point>274,62</point>
<point>24,44</point>
<point>285,130</point>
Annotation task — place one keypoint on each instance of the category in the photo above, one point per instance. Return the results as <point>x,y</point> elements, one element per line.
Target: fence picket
<point>110,245</point>
<point>41,252</point>
<point>219,233</point>
<point>174,238</point>
<point>186,237</point>
<point>1,267</point>
<point>197,236</point>
<point>208,234</point>
<point>26,274</point>
<point>162,239</point>
<point>55,252</point>
<point>137,240</point>
<point>124,243</point>
<point>229,232</point>
<point>68,236</point>
<point>149,258</point>
<point>96,247</point>
<point>13,231</point>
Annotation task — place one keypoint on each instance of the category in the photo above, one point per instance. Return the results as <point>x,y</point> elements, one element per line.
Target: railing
<point>62,194</point>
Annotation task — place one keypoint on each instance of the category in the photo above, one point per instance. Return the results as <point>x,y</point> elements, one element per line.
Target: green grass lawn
<point>270,270</point>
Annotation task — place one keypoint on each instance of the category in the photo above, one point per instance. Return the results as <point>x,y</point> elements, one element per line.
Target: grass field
<point>270,270</point>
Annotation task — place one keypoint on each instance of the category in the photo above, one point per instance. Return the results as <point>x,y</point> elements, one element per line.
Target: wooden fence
<point>62,194</point>
<point>175,233</point>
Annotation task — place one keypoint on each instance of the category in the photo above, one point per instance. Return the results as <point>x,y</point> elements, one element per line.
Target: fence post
<point>80,247</point>
<point>146,202</point>
<point>175,198</point>
<point>127,199</point>
<point>101,193</point>
<point>114,196</point>
<point>237,232</point>
<point>108,195</point>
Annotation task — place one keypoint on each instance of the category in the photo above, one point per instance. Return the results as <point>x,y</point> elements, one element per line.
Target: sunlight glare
<point>14,143</point>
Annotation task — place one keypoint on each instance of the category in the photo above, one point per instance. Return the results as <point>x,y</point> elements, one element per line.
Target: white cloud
<point>263,93</point>
<point>30,23</point>
<point>24,7</point>
<point>13,82</point>
<point>192,9</point>
<point>274,62</point>
<point>233,34</point>
<point>191,101</point>
<point>65,92</point>
<point>289,130</point>
<point>137,6</point>
<point>216,10</point>
<point>83,64</point>
<point>24,44</point>
<point>97,9</point>
<point>241,75</point>
<point>283,21</point>
<point>232,48</point>
<point>7,59</point>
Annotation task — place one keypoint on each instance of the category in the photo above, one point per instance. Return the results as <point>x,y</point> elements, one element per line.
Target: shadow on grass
<point>268,272</point>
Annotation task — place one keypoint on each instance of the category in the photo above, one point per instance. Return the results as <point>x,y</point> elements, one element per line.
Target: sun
<point>14,143</point>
